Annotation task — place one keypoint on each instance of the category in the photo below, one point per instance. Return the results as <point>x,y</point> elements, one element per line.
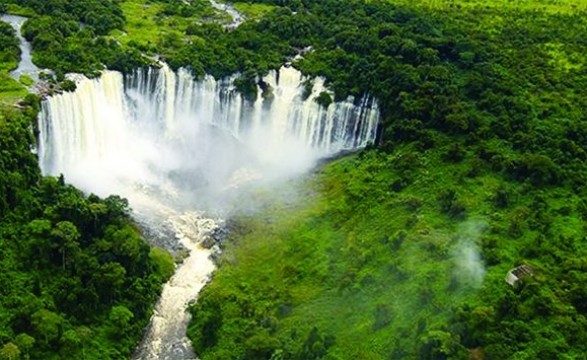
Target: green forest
<point>399,251</point>
<point>77,280</point>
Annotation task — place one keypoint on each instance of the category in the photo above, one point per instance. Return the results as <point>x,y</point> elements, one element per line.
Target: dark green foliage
<point>455,153</point>
<point>450,203</point>
<point>316,345</point>
<point>383,316</point>
<point>324,99</point>
<point>246,84</point>
<point>482,117</point>
<point>77,279</point>
<point>221,53</point>
<point>60,44</point>
<point>9,52</point>
<point>68,85</point>
<point>101,15</point>
<point>71,36</point>
<point>539,169</point>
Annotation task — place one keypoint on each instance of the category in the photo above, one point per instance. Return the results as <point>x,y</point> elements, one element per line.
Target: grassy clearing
<point>150,24</point>
<point>10,90</point>
<point>550,6</point>
<point>15,9</point>
<point>26,80</point>
<point>140,22</point>
<point>7,66</point>
<point>253,11</point>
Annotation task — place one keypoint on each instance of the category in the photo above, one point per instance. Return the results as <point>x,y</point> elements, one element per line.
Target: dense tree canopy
<point>75,270</point>
<point>482,117</point>
<point>9,53</point>
<point>486,100</point>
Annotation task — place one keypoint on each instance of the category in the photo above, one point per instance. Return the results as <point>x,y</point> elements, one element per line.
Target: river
<point>26,65</point>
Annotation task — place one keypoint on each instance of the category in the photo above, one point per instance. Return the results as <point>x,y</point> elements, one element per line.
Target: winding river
<point>26,65</point>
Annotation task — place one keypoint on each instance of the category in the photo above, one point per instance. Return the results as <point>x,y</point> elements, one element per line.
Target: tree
<point>324,99</point>
<point>70,342</point>
<point>119,318</point>
<point>130,249</point>
<point>66,235</point>
<point>47,324</point>
<point>163,262</point>
<point>25,342</point>
<point>437,344</point>
<point>10,352</point>
<point>109,279</point>
<point>84,334</point>
<point>261,345</point>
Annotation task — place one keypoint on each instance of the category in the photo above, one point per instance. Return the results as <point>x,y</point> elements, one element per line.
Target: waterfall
<point>285,116</point>
<point>183,151</point>
<point>100,121</point>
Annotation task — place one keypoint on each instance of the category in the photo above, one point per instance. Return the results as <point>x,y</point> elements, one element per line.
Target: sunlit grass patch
<point>153,24</point>
<point>561,59</point>
<point>141,24</point>
<point>7,66</point>
<point>253,11</point>
<point>10,90</point>
<point>26,80</point>
<point>550,6</point>
<point>15,9</point>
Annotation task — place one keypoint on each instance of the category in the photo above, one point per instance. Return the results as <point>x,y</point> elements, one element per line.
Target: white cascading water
<point>182,152</point>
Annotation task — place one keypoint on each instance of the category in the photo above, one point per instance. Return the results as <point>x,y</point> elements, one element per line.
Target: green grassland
<point>252,11</point>
<point>151,24</point>
<point>393,256</point>
<point>550,6</point>
<point>140,22</point>
<point>10,90</point>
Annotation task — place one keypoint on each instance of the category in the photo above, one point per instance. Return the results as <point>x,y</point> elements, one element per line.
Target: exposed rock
<point>217,237</point>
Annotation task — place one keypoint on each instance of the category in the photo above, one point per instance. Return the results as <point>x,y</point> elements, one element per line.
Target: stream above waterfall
<point>237,18</point>
<point>25,65</point>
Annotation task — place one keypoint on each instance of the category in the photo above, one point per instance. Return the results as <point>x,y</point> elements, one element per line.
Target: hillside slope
<point>402,252</point>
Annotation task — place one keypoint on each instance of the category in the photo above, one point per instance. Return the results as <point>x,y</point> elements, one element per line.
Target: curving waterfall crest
<point>94,116</point>
<point>173,146</point>
<point>285,115</point>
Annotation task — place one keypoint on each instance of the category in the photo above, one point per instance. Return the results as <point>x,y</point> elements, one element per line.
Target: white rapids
<point>183,152</point>
<point>166,335</point>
